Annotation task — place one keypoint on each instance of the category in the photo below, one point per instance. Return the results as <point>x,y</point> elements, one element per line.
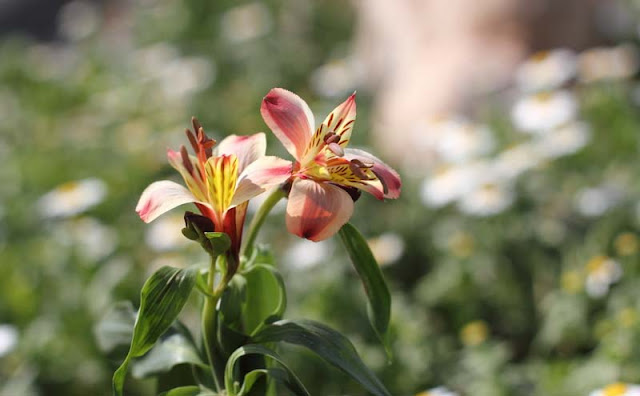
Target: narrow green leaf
<point>284,375</point>
<point>266,298</point>
<point>379,307</point>
<point>161,300</point>
<point>171,351</point>
<point>326,343</point>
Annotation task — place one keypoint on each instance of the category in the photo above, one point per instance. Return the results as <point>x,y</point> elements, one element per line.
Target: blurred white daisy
<point>449,184</point>
<point>78,19</point>
<point>595,201</point>
<point>439,391</point>
<point>92,239</point>
<point>611,63</point>
<point>564,140</point>
<point>617,389</point>
<point>246,22</point>
<point>546,70</point>
<point>183,77</point>
<point>516,160</point>
<point>165,234</point>
<point>72,198</point>
<point>602,272</point>
<point>544,111</point>
<point>487,199</point>
<point>335,78</point>
<point>387,248</point>
<point>8,338</point>
<point>303,254</point>
<point>458,140</point>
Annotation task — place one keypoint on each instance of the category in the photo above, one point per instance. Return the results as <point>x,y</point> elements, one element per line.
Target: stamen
<point>336,149</point>
<point>192,140</point>
<point>186,161</point>
<point>355,169</point>
<point>361,164</point>
<point>331,137</point>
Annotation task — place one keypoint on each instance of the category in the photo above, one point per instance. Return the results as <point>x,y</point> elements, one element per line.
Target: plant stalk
<point>258,220</point>
<point>209,327</point>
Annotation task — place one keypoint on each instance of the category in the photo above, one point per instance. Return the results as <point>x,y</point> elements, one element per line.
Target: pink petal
<point>160,197</point>
<point>316,211</point>
<point>389,178</point>
<point>247,148</point>
<point>259,176</point>
<point>290,119</point>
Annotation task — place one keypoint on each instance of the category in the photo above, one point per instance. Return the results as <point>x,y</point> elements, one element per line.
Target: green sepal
<point>220,242</point>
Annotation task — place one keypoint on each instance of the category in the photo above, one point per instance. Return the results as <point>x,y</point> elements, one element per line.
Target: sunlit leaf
<point>283,375</point>
<point>161,300</point>
<point>326,343</point>
<point>171,351</point>
<point>266,297</point>
<point>379,307</point>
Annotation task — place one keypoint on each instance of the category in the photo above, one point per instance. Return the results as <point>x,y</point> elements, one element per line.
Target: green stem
<point>258,220</point>
<point>209,321</point>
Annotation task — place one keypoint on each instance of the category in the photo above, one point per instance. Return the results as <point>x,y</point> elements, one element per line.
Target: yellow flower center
<point>596,263</point>
<point>68,186</point>
<point>474,333</point>
<point>543,97</point>
<point>617,389</point>
<point>540,56</point>
<point>626,244</point>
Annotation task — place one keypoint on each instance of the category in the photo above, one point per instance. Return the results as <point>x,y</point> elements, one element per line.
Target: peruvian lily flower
<point>220,180</point>
<point>325,169</point>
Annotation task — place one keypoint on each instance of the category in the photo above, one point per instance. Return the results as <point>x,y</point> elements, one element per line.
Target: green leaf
<point>326,343</point>
<point>266,298</point>
<point>284,375</point>
<point>116,327</point>
<point>230,333</point>
<point>161,300</point>
<point>379,307</point>
<point>191,390</point>
<point>172,351</point>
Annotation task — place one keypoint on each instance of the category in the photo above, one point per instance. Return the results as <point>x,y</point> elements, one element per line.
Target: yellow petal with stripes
<point>222,174</point>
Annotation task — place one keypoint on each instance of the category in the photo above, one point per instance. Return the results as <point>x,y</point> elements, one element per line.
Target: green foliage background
<point>105,106</point>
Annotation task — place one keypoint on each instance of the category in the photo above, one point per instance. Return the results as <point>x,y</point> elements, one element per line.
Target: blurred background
<point>512,255</point>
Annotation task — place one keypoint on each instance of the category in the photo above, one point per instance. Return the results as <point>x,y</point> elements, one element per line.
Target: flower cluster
<point>324,179</point>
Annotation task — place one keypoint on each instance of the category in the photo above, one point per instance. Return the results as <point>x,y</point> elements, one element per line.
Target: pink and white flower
<point>325,169</point>
<point>220,180</point>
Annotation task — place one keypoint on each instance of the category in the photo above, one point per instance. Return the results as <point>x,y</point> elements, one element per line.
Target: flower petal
<point>340,121</point>
<point>189,171</point>
<point>222,174</point>
<point>259,176</point>
<point>290,119</point>
<point>315,210</point>
<point>247,148</point>
<point>389,178</point>
<point>160,197</point>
